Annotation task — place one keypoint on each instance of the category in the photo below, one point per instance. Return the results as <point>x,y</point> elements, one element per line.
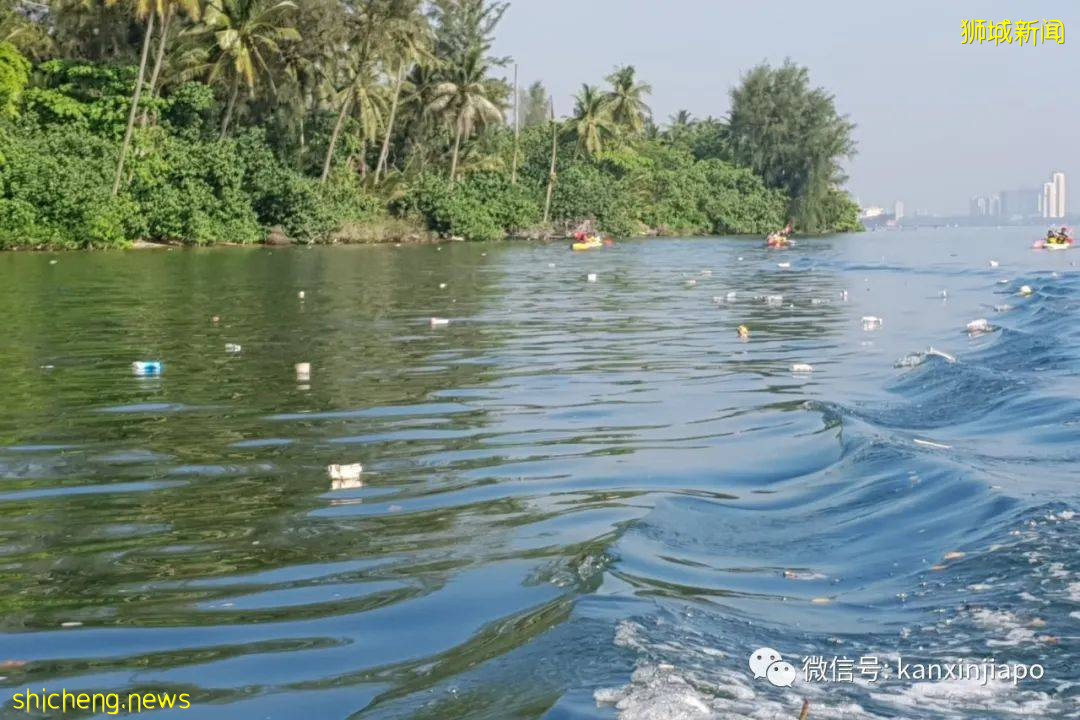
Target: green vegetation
<point>212,121</point>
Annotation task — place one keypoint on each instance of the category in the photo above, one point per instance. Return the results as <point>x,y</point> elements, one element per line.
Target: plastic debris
<point>215,319</point>
<point>591,277</point>
<point>994,263</point>
<point>301,295</point>
<point>783,265</point>
<point>931,443</point>
<point>979,325</point>
<point>71,624</point>
<point>439,322</point>
<point>147,368</point>
<point>744,332</point>
<point>774,299</point>
<point>706,273</point>
<point>345,477</point>
<point>1002,308</point>
<point>691,282</point>
<point>944,294</point>
<point>1026,290</point>
<point>843,295</point>
<point>53,262</point>
<point>871,322</point>
<point>802,368</point>
<point>943,355</point>
<point>442,286</point>
<point>954,555</point>
<point>303,371</point>
<point>232,348</point>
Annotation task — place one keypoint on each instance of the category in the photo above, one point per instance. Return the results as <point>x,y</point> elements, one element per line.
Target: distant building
<point>898,210</point>
<point>1058,179</point>
<point>994,206</point>
<point>979,206</point>
<point>1022,203</point>
<point>1049,203</point>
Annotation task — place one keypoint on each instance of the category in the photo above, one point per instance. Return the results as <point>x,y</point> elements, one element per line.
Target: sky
<point>938,121</point>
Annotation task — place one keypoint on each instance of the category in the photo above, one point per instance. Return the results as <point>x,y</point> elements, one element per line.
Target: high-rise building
<point>1058,179</point>
<point>898,210</point>
<point>978,206</point>
<point>1049,203</point>
<point>994,206</point>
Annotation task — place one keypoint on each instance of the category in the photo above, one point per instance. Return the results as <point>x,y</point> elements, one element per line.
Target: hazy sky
<point>938,121</point>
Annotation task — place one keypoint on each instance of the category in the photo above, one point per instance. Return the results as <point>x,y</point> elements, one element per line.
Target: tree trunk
<point>517,128</point>
<point>384,156</point>
<point>162,42</point>
<point>134,105</point>
<point>454,158</point>
<point>551,175</point>
<point>231,107</point>
<point>334,136</point>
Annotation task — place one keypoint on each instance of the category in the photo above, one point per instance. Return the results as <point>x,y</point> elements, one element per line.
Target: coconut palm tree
<point>166,11</point>
<point>143,11</point>
<point>626,99</point>
<point>409,41</point>
<point>464,101</point>
<point>591,124</point>
<point>240,38</point>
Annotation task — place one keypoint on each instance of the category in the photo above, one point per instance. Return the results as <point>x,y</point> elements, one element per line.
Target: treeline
<point>208,121</point>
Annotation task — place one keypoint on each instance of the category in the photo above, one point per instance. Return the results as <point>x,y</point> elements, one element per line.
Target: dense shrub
<point>485,206</point>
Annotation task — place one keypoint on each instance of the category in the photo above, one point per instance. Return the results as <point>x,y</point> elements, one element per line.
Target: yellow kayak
<point>592,243</point>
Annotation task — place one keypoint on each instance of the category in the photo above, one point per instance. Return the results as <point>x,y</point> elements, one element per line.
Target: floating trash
<point>147,368</point>
<point>71,624</point>
<point>803,575</point>
<point>591,277</point>
<point>301,295</point>
<point>439,322</point>
<point>943,355</point>
<point>774,299</point>
<point>994,263</point>
<point>1026,290</point>
<point>843,295</point>
<point>232,348</point>
<point>817,301</point>
<point>872,322</point>
<point>802,368</point>
<point>954,555</point>
<point>1005,307</point>
<point>981,325</point>
<point>345,477</point>
<point>944,294</point>
<point>303,371</point>
<point>53,262</point>
<point>691,282</point>
<point>783,265</point>
<point>932,444</point>
<point>215,319</point>
<point>744,332</point>
<point>442,286</point>
<point>551,265</point>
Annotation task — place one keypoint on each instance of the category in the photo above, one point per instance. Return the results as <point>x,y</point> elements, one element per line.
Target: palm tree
<point>591,124</point>
<point>241,37</point>
<point>464,101</point>
<point>144,11</point>
<point>166,10</point>
<point>410,39</point>
<point>626,99</point>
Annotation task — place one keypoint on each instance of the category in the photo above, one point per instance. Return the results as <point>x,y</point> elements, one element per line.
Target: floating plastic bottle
<point>147,368</point>
<point>301,295</point>
<point>232,348</point>
<point>994,263</point>
<point>979,325</point>
<point>439,322</point>
<point>1026,290</point>
<point>783,265</point>
<point>802,368</point>
<point>872,322</point>
<point>303,371</point>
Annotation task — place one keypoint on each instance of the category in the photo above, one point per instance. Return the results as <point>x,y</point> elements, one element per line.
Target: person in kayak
<point>1063,235</point>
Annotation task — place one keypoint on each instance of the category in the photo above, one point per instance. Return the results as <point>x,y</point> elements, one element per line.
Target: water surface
<point>580,499</point>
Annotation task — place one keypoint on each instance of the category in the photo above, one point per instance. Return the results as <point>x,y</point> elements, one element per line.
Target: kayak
<point>593,243</point>
<point>777,241</point>
<point>1058,245</point>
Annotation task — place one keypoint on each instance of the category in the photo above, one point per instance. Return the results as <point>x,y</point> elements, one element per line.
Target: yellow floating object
<point>592,243</point>
<point>744,332</point>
